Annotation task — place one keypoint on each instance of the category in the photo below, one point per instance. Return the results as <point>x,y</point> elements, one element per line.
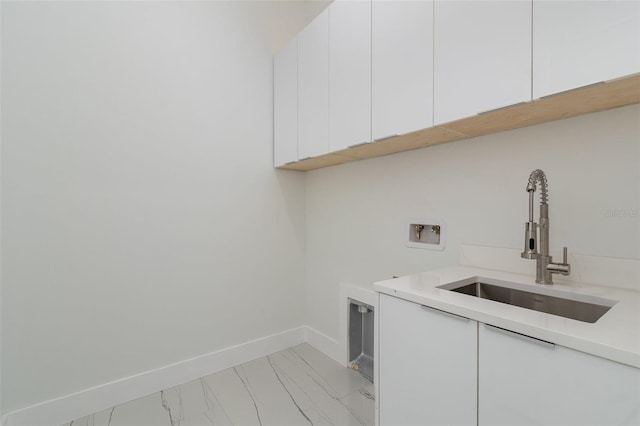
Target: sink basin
<point>578,307</point>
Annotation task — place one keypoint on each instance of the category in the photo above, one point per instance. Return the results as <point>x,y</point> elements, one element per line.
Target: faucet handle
<point>564,268</point>
<point>560,268</point>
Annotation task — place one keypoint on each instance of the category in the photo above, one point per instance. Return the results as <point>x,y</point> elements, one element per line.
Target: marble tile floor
<point>296,386</point>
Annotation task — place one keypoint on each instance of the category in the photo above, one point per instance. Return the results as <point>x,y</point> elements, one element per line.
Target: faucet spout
<point>538,176</point>
<point>544,265</point>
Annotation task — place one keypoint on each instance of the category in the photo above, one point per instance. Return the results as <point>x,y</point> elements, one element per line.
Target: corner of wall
<point>325,344</point>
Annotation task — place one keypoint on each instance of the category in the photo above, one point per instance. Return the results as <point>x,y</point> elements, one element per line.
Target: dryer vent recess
<point>361,338</point>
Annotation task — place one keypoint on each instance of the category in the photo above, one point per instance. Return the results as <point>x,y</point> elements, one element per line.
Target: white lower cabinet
<point>436,368</point>
<point>525,381</point>
<point>427,364</point>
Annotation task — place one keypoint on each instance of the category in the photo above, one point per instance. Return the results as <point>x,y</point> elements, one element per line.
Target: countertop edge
<point>578,343</point>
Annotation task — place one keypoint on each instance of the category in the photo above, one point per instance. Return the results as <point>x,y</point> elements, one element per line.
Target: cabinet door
<point>313,88</point>
<point>525,381</point>
<point>349,73</point>
<point>427,365</point>
<point>482,57</point>
<point>285,104</point>
<point>576,43</point>
<point>402,67</point>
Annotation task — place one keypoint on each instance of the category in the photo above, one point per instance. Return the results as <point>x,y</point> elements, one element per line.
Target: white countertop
<point>615,336</point>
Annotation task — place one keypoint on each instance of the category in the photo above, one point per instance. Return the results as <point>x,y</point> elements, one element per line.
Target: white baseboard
<point>66,408</point>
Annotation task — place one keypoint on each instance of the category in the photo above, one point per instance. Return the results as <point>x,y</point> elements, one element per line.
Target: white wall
<point>142,221</point>
<point>356,213</point>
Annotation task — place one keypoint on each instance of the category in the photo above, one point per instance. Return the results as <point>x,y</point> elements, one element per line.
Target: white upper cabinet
<point>313,88</point>
<point>285,104</point>
<point>402,67</point>
<point>576,43</point>
<point>367,70</point>
<point>482,57</point>
<point>349,73</point>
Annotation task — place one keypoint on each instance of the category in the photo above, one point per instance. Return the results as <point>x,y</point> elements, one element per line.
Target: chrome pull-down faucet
<point>544,263</point>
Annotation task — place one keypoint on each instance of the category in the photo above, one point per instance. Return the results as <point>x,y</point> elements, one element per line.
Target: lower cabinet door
<point>525,381</point>
<point>427,365</point>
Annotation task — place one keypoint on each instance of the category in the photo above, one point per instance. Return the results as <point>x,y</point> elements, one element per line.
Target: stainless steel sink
<point>568,305</point>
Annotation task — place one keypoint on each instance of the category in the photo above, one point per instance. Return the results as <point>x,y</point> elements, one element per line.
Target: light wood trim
<point>594,98</point>
<point>407,142</point>
<point>318,162</point>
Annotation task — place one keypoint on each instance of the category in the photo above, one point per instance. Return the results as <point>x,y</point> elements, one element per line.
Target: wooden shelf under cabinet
<point>593,98</point>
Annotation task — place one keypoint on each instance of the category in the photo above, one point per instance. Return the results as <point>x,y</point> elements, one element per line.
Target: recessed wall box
<point>361,338</point>
<point>425,234</point>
